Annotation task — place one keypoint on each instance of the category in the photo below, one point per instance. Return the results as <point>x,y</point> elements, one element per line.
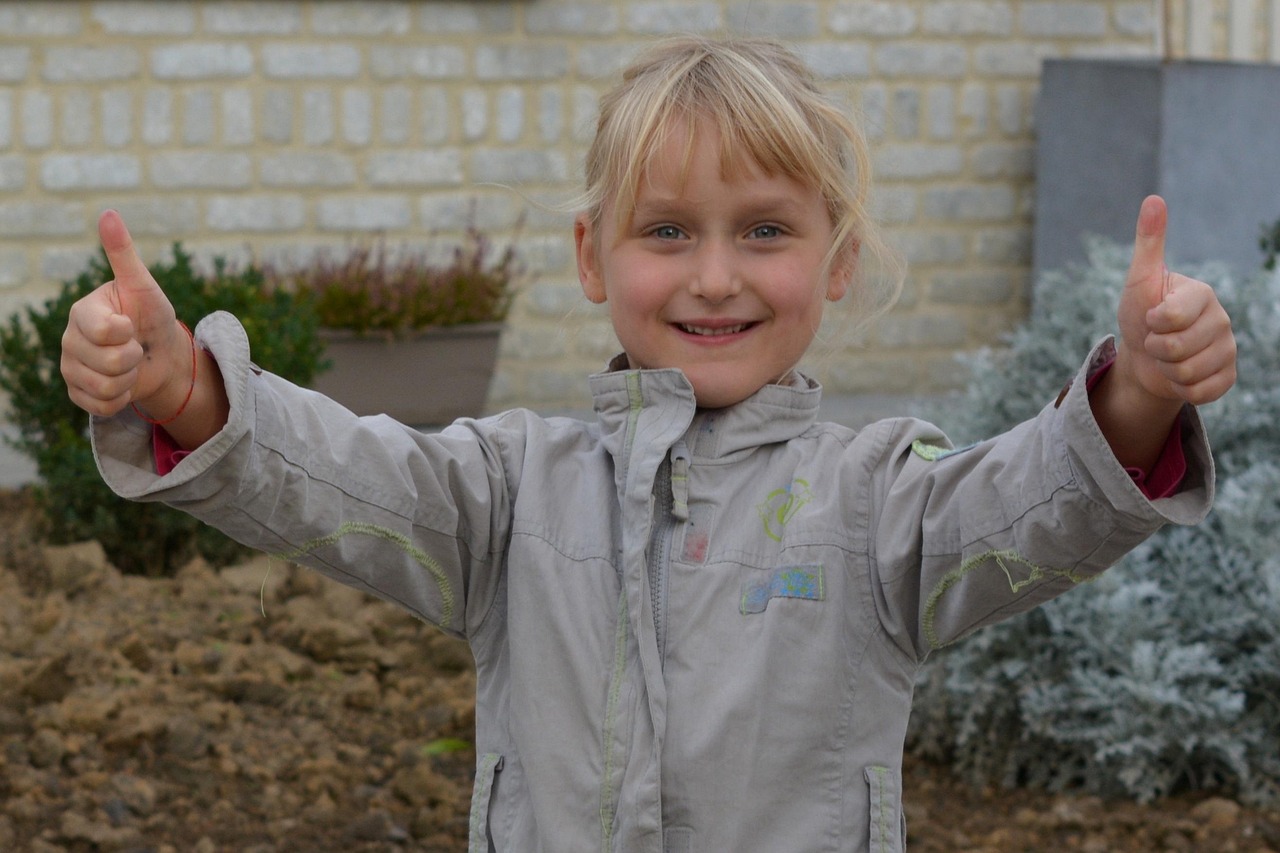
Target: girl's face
<point>717,274</point>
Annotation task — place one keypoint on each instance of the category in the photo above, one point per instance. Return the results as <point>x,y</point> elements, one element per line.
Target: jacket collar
<point>658,408</point>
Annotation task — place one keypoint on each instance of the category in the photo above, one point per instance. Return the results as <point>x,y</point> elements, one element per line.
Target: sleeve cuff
<point>1166,475</point>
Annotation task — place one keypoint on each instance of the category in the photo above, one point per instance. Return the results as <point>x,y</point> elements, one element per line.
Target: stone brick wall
<point>266,129</point>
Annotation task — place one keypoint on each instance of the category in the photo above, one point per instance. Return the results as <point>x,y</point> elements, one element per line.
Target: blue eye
<point>765,232</point>
<point>667,232</point>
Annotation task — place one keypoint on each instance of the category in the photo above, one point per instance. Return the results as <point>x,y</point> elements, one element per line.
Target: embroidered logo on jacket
<point>781,505</point>
<point>785,582</point>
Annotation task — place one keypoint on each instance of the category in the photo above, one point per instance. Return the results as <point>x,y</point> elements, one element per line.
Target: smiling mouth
<point>713,331</point>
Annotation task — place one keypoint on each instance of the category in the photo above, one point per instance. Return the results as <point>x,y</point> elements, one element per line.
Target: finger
<point>128,268</point>
<point>1185,301</point>
<point>99,327</point>
<point>1147,270</point>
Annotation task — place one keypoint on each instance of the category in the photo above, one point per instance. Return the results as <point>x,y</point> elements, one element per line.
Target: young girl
<point>696,620</point>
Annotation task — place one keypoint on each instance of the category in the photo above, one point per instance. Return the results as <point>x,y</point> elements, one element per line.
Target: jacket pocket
<point>487,767</point>
<point>887,824</point>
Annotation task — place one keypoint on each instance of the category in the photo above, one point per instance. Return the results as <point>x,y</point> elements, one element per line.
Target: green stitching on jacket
<point>608,808</point>
<point>878,775</point>
<point>1002,559</point>
<point>420,557</point>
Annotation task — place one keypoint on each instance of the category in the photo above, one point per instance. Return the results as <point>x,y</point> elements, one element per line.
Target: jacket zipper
<point>660,554</point>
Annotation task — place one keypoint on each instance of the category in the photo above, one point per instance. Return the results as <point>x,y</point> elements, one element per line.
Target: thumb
<point>130,272</point>
<point>1148,275</point>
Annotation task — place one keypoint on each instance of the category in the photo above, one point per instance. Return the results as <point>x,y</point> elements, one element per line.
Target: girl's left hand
<point>1175,336</point>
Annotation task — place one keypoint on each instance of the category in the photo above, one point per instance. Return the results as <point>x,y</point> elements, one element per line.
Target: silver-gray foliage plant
<point>1163,674</point>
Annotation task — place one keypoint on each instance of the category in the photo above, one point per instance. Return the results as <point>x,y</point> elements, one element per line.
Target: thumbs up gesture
<point>1175,347</point>
<point>124,345</point>
<point>1175,337</point>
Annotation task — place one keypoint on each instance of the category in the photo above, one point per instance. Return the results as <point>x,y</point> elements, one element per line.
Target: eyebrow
<point>768,205</point>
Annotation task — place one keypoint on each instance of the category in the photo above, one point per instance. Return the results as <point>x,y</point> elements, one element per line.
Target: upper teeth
<point>708,330</point>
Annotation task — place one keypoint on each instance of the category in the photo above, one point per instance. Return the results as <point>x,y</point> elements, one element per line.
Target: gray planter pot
<point>429,378</point>
<point>1205,135</point>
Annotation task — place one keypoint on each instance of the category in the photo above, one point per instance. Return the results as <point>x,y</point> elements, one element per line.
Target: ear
<point>843,266</point>
<point>589,275</point>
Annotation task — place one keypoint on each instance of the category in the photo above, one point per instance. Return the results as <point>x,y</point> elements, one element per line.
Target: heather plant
<point>1164,674</point>
<point>375,289</point>
<point>75,503</point>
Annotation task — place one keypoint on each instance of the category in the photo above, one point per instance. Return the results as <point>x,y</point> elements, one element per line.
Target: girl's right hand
<point>123,342</point>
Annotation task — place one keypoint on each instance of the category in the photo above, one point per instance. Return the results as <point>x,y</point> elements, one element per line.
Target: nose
<point>715,275</point>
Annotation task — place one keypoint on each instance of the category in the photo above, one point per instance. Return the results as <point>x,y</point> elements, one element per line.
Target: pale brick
<point>200,170</point>
<point>466,16</point>
<point>836,60</point>
<point>586,113</point>
<point>577,19</point>
<point>277,115</point>
<point>357,116</point>
<point>256,213</point>
<point>1004,246</point>
<point>145,18</point>
<point>605,60</point>
<point>318,120</point>
<point>36,119</point>
<point>1012,59</point>
<point>475,114</point>
<point>165,216</point>
<point>6,118</point>
<point>77,123</point>
<point>157,116</point>
<point>366,18</point>
<point>875,110</point>
<point>872,19</point>
<point>550,114</point>
<point>237,117</point>
<point>894,204</point>
<point>13,268</point>
<point>90,64</point>
<point>941,112</point>
<point>202,60</point>
<point>932,246</point>
<point>918,161</point>
<point>1063,19</point>
<point>65,264</point>
<point>253,18</point>
<point>40,20</point>
<point>518,165</point>
<point>906,113</point>
<point>969,203</point>
<point>509,112</point>
<point>991,287</point>
<point>364,213</point>
<point>307,169</point>
<point>437,118</point>
<point>520,62</point>
<point>432,62</point>
<point>968,18</point>
<point>920,331</point>
<point>553,300</point>
<point>457,211</point>
<point>396,124</point>
<point>974,109</point>
<point>1004,160</point>
<point>13,173</point>
<point>784,20</point>
<point>42,219</point>
<point>926,59</point>
<point>15,64</point>
<point>1012,112</point>
<point>310,61</point>
<point>1136,19</point>
<point>198,121</point>
<point>116,107</point>
<point>664,18</point>
<point>438,167</point>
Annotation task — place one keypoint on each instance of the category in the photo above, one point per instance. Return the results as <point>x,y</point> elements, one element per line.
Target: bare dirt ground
<point>172,715</point>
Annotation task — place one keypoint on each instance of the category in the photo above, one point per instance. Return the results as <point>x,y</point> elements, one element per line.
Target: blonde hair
<point>765,105</point>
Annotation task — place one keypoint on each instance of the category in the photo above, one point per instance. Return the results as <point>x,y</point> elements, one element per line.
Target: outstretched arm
<point>124,345</point>
<point>1175,347</point>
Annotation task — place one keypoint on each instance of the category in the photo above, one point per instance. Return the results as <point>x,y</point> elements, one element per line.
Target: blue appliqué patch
<point>786,582</point>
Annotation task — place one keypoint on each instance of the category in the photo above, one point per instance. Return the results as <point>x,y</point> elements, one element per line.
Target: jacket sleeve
<point>963,538</point>
<point>418,520</point>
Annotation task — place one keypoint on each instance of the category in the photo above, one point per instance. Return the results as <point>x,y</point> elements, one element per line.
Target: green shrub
<point>140,538</point>
<point>1163,674</point>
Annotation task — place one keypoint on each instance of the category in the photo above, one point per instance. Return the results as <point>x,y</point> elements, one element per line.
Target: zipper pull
<point>680,481</point>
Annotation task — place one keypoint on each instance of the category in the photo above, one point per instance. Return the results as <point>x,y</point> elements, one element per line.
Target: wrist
<point>174,394</point>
